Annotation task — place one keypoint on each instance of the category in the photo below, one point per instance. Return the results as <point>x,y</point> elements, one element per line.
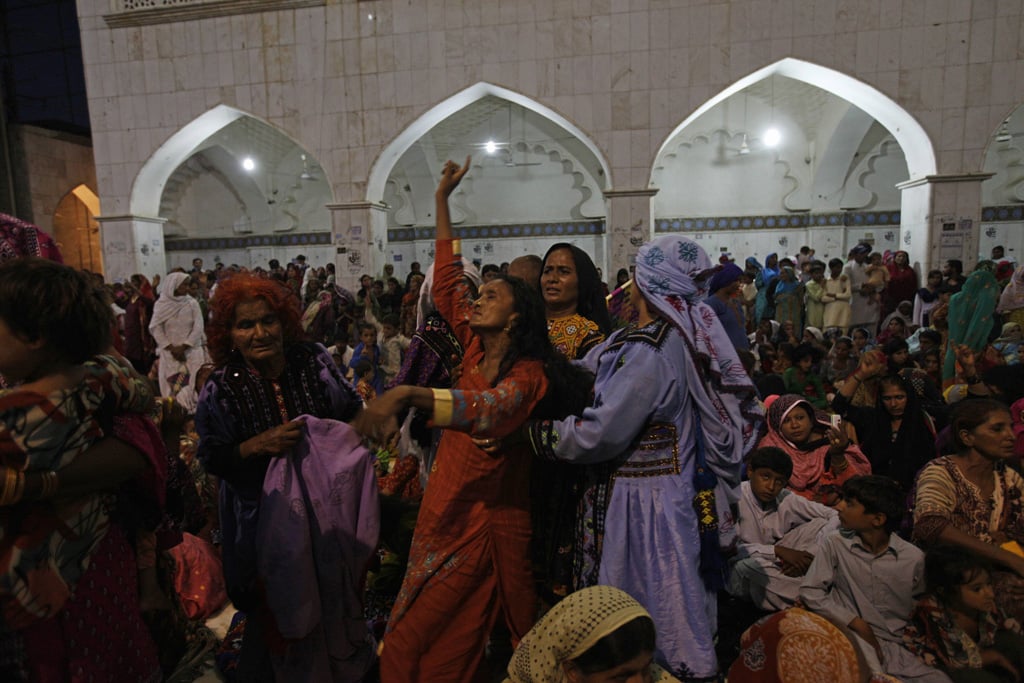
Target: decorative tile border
<point>501,231</point>
<point>803,220</point>
<point>207,243</point>
<point>996,214</point>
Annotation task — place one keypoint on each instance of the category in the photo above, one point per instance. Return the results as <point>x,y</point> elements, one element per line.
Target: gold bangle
<point>19,487</point>
<point>50,483</point>
<point>14,483</point>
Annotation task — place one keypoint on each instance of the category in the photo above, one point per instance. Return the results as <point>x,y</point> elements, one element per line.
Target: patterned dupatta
<point>671,272</point>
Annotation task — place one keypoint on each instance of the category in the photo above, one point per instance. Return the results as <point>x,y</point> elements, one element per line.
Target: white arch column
<point>132,244</point>
<point>627,227</point>
<point>945,210</point>
<point>359,232</point>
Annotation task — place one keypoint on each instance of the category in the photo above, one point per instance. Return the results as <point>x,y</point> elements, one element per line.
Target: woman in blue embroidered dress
<point>671,398</point>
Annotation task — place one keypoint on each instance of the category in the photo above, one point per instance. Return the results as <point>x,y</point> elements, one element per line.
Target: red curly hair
<point>241,287</point>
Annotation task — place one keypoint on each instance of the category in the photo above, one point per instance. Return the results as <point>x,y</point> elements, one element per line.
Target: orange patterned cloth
<point>795,646</point>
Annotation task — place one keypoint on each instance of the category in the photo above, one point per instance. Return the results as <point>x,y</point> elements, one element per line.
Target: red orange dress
<point>469,562</point>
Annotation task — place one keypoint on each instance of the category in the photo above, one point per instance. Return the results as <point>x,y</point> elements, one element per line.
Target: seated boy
<point>866,578</point>
<point>779,533</point>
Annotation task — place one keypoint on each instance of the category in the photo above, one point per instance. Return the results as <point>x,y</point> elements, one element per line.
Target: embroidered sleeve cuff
<point>443,407</point>
<point>543,438</point>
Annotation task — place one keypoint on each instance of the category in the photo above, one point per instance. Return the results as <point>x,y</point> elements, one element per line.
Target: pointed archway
<point>228,187</point>
<point>872,137</point>
<point>540,181</point>
<point>75,229</point>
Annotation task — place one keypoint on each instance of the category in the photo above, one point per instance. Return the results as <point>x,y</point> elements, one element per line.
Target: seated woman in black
<point>897,435</point>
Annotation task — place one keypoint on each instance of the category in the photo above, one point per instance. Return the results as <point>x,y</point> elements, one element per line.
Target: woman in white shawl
<point>179,331</point>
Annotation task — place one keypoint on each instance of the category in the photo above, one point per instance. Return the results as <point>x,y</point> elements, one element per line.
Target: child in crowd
<point>779,533</point>
<point>877,275</point>
<point>340,351</point>
<point>927,298</point>
<point>393,346</point>
<point>801,378</point>
<point>364,371</point>
<point>865,578</point>
<point>840,363</point>
<point>958,628</point>
<point>65,401</point>
<point>367,349</point>
<point>188,397</point>
<point>861,342</point>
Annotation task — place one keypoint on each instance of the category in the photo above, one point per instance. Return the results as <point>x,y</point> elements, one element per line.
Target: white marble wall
<point>624,71</point>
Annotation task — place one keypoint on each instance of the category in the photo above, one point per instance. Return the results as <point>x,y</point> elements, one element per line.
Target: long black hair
<point>569,387</point>
<point>590,301</point>
<point>618,647</point>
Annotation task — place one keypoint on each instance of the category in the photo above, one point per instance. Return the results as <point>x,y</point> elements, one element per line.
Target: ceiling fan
<point>725,154</point>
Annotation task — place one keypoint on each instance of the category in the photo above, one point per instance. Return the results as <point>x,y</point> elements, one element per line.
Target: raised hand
<point>451,176</point>
<point>871,364</point>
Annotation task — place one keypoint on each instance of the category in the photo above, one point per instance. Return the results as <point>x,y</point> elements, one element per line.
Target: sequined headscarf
<point>572,627</point>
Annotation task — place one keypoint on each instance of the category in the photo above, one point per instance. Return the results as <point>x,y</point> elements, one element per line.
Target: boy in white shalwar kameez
<point>779,533</point>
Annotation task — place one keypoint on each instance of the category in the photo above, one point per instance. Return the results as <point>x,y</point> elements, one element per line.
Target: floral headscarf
<point>572,627</point>
<point>670,271</point>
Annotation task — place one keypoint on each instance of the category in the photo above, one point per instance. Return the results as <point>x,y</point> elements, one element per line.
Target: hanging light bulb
<point>491,147</point>
<point>744,147</point>
<point>248,164</point>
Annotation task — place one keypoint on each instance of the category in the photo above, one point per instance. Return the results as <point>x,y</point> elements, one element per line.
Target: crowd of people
<point>515,465</point>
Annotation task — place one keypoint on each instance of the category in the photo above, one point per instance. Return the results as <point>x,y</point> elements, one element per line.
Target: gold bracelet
<point>14,484</point>
<point>49,485</point>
